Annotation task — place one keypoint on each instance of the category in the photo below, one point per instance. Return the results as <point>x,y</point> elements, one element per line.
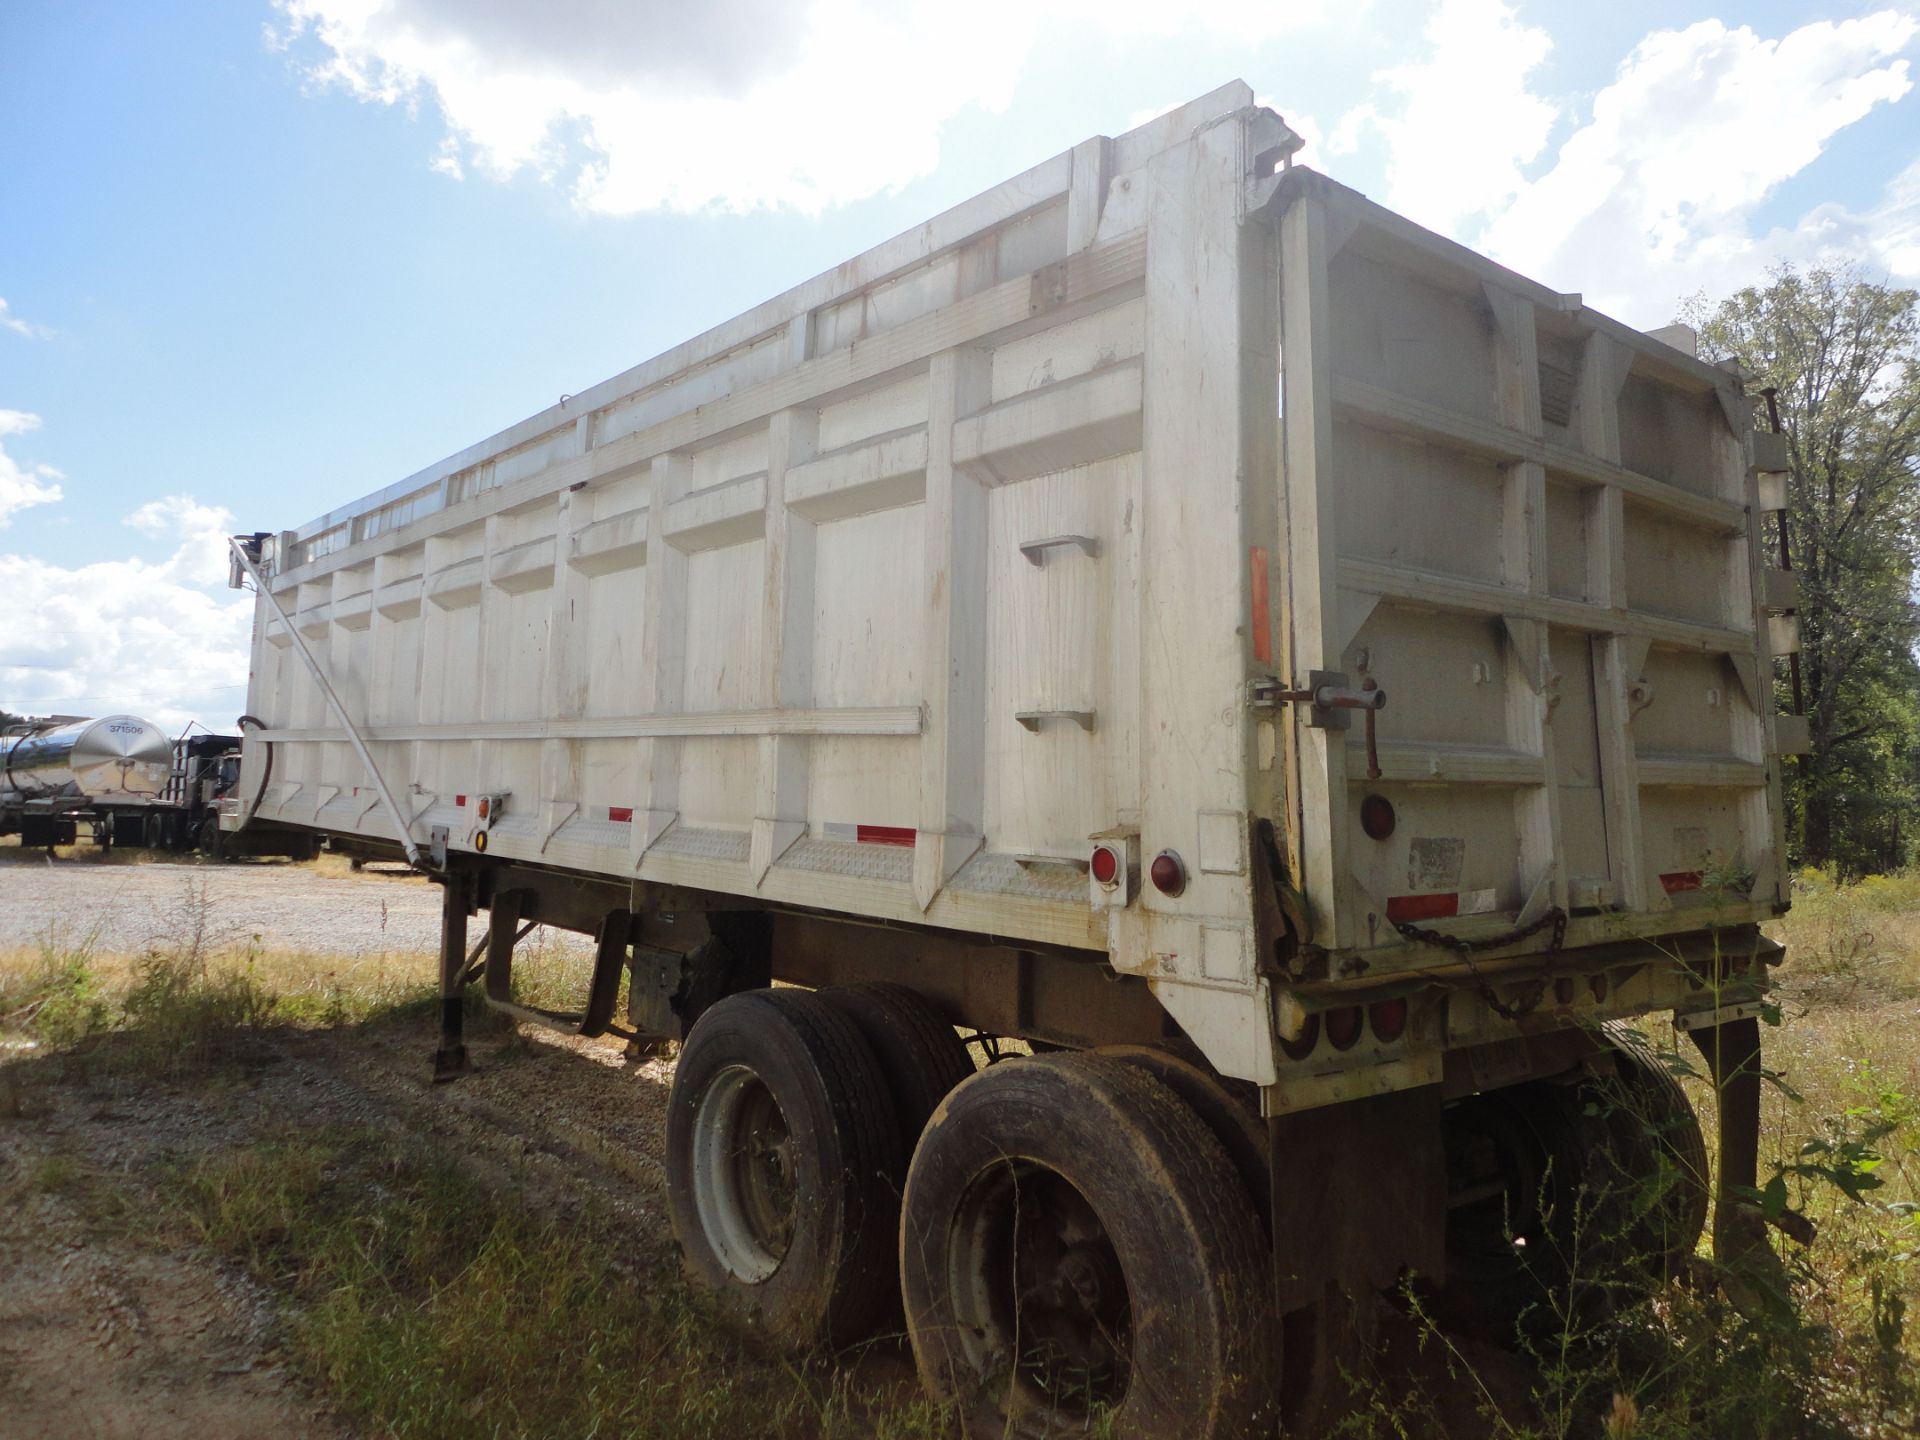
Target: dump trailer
<point>1309,684</point>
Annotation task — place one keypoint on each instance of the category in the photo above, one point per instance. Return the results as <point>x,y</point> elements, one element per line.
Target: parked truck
<point>1308,683</point>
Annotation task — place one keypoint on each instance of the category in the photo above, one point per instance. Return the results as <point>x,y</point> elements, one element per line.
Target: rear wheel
<point>1233,1120</point>
<point>1076,1250</point>
<point>1513,1185</point>
<point>1566,1190</point>
<point>919,1052</point>
<point>783,1168</point>
<point>1645,1158</point>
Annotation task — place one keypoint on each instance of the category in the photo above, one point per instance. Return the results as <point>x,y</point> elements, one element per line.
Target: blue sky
<point>258,260</point>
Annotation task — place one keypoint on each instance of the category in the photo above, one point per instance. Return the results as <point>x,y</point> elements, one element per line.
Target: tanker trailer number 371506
<point>1309,683</point>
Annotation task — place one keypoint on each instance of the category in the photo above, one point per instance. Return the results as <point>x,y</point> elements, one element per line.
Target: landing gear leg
<point>450,1061</point>
<point>1732,1052</point>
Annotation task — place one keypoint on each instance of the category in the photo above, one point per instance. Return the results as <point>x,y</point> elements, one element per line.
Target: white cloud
<point>1887,237</point>
<point>160,639</point>
<point>23,486</point>
<point>1462,122</point>
<point>200,532</point>
<point>10,321</point>
<point>1653,197</point>
<point>735,104</point>
<point>1653,193</point>
<point>121,635</point>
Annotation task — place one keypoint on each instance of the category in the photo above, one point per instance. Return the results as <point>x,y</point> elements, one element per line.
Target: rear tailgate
<point>1536,530</point>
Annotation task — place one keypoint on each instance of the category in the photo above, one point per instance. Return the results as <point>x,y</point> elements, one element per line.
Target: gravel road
<point>125,908</point>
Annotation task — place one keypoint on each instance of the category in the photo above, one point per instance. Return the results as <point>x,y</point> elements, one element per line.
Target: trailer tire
<point>1072,1206</point>
<point>1235,1124</point>
<point>920,1054</point>
<point>1646,1157</point>
<point>784,1169</point>
<point>1516,1152</point>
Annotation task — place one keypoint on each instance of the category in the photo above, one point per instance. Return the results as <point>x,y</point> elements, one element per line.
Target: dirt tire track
<point>108,1330</point>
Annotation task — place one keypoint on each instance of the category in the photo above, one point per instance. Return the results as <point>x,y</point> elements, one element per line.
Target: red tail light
<point>1376,817</point>
<point>1389,1019</point>
<point>1343,1027</point>
<point>1169,874</point>
<point>1302,1045</point>
<point>1105,865</point>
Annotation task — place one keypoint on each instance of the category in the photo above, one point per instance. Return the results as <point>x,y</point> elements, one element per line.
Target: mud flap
<point>671,987</point>
<point>1359,1198</point>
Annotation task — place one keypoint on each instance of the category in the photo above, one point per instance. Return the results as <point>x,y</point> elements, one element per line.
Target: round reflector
<point>1105,865</point>
<point>1343,1027</point>
<point>1169,875</point>
<point>1388,1018</point>
<point>1377,817</point>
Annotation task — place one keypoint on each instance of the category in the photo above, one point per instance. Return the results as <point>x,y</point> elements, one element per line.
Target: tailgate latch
<point>1328,697</point>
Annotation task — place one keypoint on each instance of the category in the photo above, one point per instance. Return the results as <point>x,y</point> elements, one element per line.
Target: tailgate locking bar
<point>1328,697</point>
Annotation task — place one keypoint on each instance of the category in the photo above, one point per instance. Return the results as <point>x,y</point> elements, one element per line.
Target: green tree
<point>1843,356</point>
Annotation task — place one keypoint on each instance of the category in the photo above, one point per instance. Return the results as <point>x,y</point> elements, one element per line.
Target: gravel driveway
<point>124,908</point>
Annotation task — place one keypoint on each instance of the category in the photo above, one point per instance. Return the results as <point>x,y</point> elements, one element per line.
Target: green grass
<point>433,1305</point>
<point>1838,1353</point>
<point>429,1300</point>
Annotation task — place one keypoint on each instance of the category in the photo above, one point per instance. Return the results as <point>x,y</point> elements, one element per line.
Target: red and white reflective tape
<point>903,836</point>
<point>1441,905</point>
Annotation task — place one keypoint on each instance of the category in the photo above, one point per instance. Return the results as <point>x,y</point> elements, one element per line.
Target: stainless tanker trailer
<point>1310,683</point>
<point>119,760</point>
<point>71,768</point>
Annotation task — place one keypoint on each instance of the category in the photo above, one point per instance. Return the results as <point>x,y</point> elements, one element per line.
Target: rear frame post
<point>450,1061</point>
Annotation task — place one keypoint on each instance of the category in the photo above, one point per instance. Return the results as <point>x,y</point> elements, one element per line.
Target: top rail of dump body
<point>440,486</point>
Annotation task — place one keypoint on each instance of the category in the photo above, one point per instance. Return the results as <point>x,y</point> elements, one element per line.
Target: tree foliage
<point>1842,354</point>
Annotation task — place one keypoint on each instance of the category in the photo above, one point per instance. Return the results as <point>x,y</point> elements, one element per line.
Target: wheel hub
<point>745,1174</point>
<point>1042,1289</point>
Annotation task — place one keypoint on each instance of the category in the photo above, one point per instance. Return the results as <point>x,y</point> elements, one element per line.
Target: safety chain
<point>1465,949</point>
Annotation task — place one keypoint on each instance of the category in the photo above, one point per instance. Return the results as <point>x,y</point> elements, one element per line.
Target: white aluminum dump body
<point>890,595</point>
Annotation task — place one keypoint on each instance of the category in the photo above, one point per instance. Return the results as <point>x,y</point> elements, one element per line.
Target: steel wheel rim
<point>744,1179</point>
<point>1039,1294</point>
<point>1489,1236</point>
